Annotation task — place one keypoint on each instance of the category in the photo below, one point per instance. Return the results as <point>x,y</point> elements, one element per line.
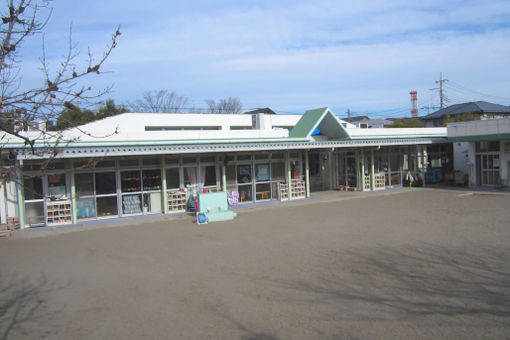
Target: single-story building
<point>488,155</point>
<point>151,163</point>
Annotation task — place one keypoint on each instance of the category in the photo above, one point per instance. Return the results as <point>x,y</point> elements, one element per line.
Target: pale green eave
<point>322,119</point>
<point>107,143</point>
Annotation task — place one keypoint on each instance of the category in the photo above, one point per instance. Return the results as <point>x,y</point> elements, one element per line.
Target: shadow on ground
<point>24,308</point>
<point>406,282</point>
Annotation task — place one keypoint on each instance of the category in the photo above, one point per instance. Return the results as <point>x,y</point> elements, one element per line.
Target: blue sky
<point>292,55</point>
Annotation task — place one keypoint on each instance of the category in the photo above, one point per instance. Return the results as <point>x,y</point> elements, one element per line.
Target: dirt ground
<point>418,263</point>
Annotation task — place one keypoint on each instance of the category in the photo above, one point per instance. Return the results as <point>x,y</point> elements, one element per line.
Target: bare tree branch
<point>229,105</point>
<point>160,101</point>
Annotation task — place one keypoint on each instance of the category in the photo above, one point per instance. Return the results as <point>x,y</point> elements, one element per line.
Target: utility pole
<point>442,96</point>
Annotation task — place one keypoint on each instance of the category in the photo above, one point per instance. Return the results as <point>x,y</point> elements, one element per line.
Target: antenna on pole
<point>414,102</point>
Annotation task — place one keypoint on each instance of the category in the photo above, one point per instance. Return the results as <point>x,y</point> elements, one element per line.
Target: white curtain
<point>192,176</point>
<point>202,176</point>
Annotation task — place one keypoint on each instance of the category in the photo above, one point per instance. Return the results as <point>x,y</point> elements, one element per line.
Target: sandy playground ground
<point>416,263</point>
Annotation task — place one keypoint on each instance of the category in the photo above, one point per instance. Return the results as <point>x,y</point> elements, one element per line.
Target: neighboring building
<point>488,150</point>
<point>144,163</point>
<point>363,122</point>
<point>476,110</point>
<point>480,109</point>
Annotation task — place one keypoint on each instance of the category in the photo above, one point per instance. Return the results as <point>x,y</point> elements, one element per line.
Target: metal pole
<point>289,177</point>
<point>362,170</point>
<point>372,171</point>
<point>307,174</point>
<point>21,195</point>
<point>164,196</point>
<point>73,193</point>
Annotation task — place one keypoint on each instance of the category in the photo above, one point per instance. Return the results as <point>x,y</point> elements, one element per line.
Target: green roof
<point>322,119</point>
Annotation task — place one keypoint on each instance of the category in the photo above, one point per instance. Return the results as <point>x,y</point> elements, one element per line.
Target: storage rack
<point>58,212</point>
<point>379,181</point>
<point>177,200</point>
<point>298,190</point>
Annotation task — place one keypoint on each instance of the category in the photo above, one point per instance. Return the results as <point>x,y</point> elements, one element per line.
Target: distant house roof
<point>264,110</point>
<point>474,107</point>
<point>356,119</point>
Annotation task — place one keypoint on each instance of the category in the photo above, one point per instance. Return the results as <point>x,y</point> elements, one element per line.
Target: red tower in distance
<point>414,102</point>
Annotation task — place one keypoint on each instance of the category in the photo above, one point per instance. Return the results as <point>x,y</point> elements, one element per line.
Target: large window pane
<point>262,173</point>
<point>131,204</point>
<point>85,208</point>
<point>243,173</point>
<point>245,193</point>
<point>130,181</point>
<point>33,188</point>
<point>151,179</point>
<point>278,171</point>
<point>231,177</point>
<point>263,191</point>
<point>107,206</point>
<point>84,184</point>
<point>210,176</point>
<point>106,183</point>
<point>172,178</point>
<point>190,176</point>
<point>34,211</point>
<point>57,186</point>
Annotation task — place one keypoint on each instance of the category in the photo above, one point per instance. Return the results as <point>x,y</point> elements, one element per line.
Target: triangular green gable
<point>322,119</point>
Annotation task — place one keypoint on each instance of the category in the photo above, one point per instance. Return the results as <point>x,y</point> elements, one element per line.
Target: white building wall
<point>461,156</point>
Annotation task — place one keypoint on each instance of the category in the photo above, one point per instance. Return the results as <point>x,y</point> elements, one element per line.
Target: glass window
<point>151,161</point>
<point>129,162</point>
<point>84,184</point>
<point>57,186</point>
<point>189,160</point>
<point>151,179</point>
<point>493,146</point>
<point>105,164</point>
<point>210,176</point>
<point>245,194</point>
<point>208,159</point>
<point>295,169</point>
<point>172,178</point>
<point>261,156</point>
<point>230,173</point>
<point>172,160</point>
<point>190,176</point>
<point>131,204</point>
<point>244,158</point>
<point>85,208</point>
<point>278,171</point>
<point>262,173</point>
<point>33,188</point>
<point>106,183</point>
<point>107,206</point>
<point>263,191</point>
<point>278,155</point>
<point>243,173</point>
<point>34,211</point>
<point>130,181</point>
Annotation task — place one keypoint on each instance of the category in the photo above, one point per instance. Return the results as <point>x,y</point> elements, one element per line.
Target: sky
<point>291,56</point>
